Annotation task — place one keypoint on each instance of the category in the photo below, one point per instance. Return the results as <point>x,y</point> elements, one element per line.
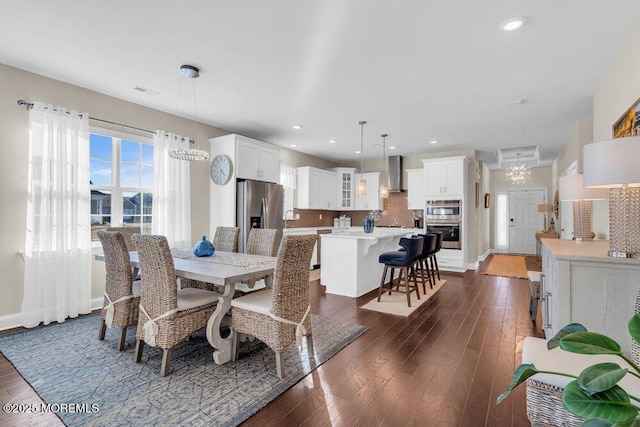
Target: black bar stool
<point>404,261</point>
<point>432,256</point>
<point>428,246</point>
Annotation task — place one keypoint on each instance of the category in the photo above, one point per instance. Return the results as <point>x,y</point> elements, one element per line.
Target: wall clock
<point>221,169</point>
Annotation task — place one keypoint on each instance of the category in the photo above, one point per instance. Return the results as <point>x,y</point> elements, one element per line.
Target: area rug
<point>396,303</point>
<point>507,266</point>
<point>66,363</point>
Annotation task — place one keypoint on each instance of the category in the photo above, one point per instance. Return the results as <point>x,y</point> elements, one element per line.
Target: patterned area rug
<point>397,303</point>
<point>66,363</point>
<point>507,266</point>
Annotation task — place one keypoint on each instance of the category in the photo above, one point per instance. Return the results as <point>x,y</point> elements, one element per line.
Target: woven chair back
<point>291,277</point>
<point>159,292</point>
<point>226,239</point>
<point>117,264</point>
<point>263,241</point>
<point>635,348</point>
<point>127,233</point>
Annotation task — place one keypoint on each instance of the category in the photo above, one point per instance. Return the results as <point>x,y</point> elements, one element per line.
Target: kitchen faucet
<point>285,217</point>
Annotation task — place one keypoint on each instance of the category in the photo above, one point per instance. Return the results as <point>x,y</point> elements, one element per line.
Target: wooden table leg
<point>222,346</point>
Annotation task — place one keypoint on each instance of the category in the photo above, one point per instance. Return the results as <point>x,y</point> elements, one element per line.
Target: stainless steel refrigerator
<point>258,205</point>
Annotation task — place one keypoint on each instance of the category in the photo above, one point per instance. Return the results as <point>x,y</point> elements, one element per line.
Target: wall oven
<point>445,216</point>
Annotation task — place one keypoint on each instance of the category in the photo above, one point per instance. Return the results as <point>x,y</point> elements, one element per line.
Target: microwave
<point>442,209</point>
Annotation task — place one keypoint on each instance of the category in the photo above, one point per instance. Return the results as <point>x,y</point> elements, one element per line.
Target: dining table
<point>226,270</point>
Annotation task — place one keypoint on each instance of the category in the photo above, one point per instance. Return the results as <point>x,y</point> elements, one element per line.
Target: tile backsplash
<point>395,214</point>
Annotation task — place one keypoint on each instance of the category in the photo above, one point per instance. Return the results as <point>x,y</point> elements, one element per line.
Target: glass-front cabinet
<point>346,188</point>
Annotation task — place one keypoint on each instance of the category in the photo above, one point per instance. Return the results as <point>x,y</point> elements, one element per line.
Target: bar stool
<point>428,246</point>
<point>404,261</point>
<point>432,255</point>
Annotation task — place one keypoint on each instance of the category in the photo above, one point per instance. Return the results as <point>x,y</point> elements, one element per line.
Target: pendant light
<point>384,178</point>
<point>189,72</point>
<point>362,183</point>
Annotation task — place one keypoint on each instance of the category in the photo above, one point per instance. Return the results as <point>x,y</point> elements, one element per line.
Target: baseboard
<point>11,321</point>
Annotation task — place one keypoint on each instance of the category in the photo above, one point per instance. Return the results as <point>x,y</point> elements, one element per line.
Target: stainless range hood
<point>395,174</point>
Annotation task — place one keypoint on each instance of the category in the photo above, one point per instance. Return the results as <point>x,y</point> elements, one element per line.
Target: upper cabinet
<point>317,188</point>
<point>415,189</point>
<point>445,177</point>
<point>257,161</point>
<point>346,188</point>
<point>371,201</point>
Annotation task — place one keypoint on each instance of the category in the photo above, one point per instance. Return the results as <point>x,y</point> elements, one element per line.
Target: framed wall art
<point>629,123</point>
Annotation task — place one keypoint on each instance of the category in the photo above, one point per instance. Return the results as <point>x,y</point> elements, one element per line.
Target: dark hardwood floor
<point>442,366</point>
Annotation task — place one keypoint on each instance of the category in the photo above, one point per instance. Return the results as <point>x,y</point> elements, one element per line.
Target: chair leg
<point>166,361</point>
<point>426,265</point>
<point>433,268</point>
<point>415,281</point>
<point>280,364</point>
<point>138,354</point>
<point>400,271</point>
<point>384,276</point>
<point>391,280</point>
<point>310,350</point>
<point>406,284</point>
<point>121,340</point>
<point>421,267</point>
<point>435,259</point>
<point>103,330</point>
<point>235,345</point>
<point>533,309</point>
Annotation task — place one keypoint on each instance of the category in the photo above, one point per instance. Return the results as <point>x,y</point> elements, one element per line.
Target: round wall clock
<point>221,169</point>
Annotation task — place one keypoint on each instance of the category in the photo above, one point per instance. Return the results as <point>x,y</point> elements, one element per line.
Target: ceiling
<point>417,70</point>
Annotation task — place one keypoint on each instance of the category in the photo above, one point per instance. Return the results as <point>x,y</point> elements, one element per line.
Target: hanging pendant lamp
<point>384,178</point>
<point>362,183</point>
<point>189,72</point>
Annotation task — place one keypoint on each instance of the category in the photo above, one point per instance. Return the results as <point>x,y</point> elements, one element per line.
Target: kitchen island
<point>350,264</point>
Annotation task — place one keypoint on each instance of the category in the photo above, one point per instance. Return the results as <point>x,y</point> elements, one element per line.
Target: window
<point>502,221</point>
<point>121,169</point>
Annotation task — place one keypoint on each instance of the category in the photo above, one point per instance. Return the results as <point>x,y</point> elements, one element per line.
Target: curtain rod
<point>29,105</point>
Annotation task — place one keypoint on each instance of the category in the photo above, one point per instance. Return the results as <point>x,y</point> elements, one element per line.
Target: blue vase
<point>204,248</point>
<point>368,224</point>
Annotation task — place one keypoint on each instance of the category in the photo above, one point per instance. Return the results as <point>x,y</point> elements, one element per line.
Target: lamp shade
<point>545,208</point>
<point>571,188</point>
<point>612,163</point>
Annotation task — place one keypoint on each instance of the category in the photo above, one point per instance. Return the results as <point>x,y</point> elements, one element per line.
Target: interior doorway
<point>517,220</point>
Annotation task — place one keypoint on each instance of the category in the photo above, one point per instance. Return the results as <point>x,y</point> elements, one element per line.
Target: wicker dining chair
<point>121,293</point>
<point>168,316</point>
<point>263,241</point>
<point>281,314</point>
<point>127,233</point>
<point>226,239</point>
<point>544,397</point>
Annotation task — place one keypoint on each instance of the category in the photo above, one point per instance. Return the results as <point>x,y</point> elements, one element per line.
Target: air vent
<point>147,91</point>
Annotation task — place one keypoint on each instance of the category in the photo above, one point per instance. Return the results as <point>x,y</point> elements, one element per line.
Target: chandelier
<point>519,173</point>
<point>189,72</point>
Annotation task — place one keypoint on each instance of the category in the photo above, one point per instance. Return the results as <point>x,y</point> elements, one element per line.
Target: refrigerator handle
<point>265,213</point>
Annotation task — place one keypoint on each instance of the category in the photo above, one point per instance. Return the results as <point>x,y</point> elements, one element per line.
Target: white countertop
<point>304,229</point>
<point>378,233</point>
<point>586,250</point>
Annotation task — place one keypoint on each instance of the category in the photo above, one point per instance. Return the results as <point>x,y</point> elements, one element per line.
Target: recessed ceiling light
<point>393,147</point>
<point>433,141</point>
<point>357,151</point>
<point>297,127</point>
<point>516,102</point>
<point>293,145</point>
<point>513,24</point>
<point>519,132</point>
<point>332,141</point>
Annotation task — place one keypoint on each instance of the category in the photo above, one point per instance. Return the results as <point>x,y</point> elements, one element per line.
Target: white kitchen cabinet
<point>346,188</point>
<point>415,189</point>
<point>256,161</point>
<point>444,177</point>
<point>371,201</point>
<point>317,189</point>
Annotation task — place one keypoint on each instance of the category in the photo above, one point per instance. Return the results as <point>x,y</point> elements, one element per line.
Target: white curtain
<point>57,275</point>
<point>171,190</point>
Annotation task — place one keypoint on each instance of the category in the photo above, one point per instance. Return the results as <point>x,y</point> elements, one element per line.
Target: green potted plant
<point>595,394</point>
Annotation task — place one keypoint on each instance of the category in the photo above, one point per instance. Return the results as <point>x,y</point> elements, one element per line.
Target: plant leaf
<point>612,404</point>
<point>569,329</point>
<point>597,422</point>
<point>634,327</point>
<point>600,377</point>
<point>523,372</point>
<point>589,343</point>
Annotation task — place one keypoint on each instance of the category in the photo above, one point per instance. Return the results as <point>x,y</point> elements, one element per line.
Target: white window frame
<point>117,192</point>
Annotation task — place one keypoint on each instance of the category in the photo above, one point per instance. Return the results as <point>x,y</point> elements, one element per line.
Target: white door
<point>524,220</point>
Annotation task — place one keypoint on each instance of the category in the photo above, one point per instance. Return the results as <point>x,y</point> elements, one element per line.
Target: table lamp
<point>615,164</point>
<point>545,208</point>
<point>571,188</point>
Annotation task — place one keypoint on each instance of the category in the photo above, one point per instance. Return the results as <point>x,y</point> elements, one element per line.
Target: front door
<point>524,220</point>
